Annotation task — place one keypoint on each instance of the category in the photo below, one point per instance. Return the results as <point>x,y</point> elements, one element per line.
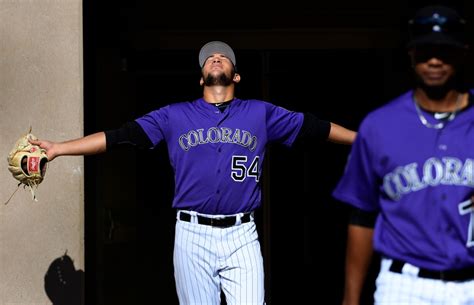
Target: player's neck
<point>218,94</point>
<point>449,102</point>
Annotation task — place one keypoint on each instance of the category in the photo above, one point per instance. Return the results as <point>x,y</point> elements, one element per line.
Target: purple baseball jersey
<point>217,156</point>
<point>420,180</point>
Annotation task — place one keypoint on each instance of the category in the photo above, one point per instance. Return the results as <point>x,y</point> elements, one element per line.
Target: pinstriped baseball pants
<point>208,259</point>
<point>409,289</point>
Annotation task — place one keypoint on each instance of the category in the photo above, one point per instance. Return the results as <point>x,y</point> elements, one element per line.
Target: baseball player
<point>410,178</point>
<point>216,147</point>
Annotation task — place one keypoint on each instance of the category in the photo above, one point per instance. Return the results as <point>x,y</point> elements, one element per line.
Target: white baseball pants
<point>407,288</point>
<point>208,259</point>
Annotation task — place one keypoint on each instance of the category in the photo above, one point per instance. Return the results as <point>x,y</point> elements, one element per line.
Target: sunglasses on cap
<point>436,24</point>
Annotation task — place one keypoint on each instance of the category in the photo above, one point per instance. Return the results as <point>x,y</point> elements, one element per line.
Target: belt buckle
<point>211,221</point>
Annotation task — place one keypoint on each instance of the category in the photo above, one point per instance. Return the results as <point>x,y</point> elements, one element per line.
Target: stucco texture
<point>41,85</point>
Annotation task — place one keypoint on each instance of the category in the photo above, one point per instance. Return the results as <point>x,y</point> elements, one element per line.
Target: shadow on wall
<point>63,284</point>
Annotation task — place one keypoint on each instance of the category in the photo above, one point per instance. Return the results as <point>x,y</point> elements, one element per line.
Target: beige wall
<point>40,86</point>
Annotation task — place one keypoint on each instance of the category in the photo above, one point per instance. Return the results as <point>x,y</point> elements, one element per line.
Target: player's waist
<point>454,275</point>
<point>221,221</point>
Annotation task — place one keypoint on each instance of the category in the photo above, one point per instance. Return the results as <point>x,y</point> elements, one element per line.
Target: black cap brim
<point>435,38</point>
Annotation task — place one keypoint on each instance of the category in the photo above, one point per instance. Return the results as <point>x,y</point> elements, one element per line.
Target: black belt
<point>455,275</point>
<point>223,222</point>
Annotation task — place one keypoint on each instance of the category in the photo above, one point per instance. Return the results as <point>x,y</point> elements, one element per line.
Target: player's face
<point>218,70</point>
<point>435,65</point>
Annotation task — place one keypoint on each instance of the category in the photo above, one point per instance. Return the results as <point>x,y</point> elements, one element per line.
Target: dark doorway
<point>337,62</point>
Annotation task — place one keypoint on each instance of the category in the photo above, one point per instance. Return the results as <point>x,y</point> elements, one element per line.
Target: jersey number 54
<point>240,171</point>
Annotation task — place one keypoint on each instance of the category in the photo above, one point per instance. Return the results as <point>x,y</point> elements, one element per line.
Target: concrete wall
<point>41,85</point>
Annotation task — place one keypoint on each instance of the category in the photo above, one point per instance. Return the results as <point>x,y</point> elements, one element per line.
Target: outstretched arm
<point>341,135</point>
<point>315,129</point>
<point>88,145</point>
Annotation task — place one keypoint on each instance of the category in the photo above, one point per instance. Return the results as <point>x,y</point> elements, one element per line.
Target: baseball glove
<point>27,163</point>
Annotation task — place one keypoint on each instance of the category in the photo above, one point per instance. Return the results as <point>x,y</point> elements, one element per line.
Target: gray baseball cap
<point>213,47</point>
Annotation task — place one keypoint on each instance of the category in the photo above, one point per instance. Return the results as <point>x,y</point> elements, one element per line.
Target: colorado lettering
<point>217,134</point>
<point>435,171</point>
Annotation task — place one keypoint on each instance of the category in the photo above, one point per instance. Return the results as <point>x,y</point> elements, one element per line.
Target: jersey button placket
<point>219,151</point>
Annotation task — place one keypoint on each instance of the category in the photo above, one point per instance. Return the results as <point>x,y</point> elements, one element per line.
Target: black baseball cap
<point>213,47</point>
<point>438,25</point>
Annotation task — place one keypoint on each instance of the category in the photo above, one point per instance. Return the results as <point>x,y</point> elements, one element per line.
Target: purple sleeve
<point>155,124</point>
<point>282,125</point>
<point>358,185</point>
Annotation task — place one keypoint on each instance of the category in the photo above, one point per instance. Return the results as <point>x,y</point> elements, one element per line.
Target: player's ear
<point>236,78</point>
<point>201,82</point>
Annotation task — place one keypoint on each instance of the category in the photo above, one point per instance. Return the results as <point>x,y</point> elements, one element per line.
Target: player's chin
<point>435,82</point>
